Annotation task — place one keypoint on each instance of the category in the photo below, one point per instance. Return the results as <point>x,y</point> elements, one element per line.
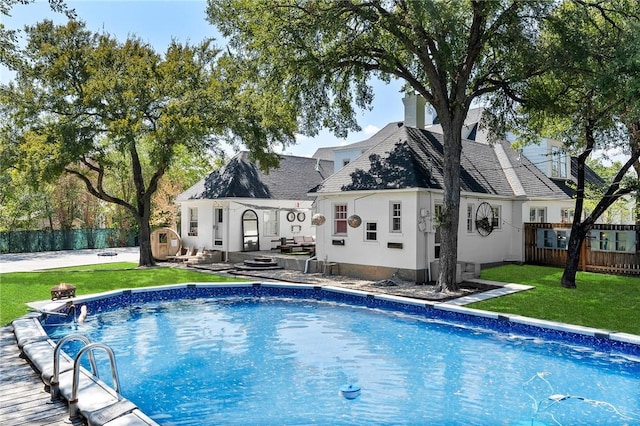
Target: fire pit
<point>62,291</point>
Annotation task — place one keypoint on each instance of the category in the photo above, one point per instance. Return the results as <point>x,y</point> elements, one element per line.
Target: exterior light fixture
<point>354,221</point>
<point>318,219</point>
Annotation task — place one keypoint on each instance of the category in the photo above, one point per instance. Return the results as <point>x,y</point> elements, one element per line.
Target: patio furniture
<point>298,243</point>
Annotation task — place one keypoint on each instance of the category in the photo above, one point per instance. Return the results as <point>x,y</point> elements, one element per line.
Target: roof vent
<point>317,167</point>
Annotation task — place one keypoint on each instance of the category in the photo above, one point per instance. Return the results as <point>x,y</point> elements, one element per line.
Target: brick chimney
<point>414,111</point>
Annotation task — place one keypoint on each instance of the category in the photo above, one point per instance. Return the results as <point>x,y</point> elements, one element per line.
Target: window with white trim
<point>193,222</point>
<point>566,215</point>
<point>395,214</point>
<point>270,219</point>
<point>537,214</point>
<point>371,231</point>
<point>497,217</point>
<point>558,162</point>
<point>470,218</point>
<point>340,219</point>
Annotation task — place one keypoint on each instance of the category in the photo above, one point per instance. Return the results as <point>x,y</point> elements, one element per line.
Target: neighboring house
<point>382,208</point>
<point>343,155</point>
<point>241,208</point>
<point>550,156</point>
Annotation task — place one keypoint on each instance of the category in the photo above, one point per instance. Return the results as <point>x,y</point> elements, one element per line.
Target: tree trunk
<point>576,239</point>
<point>451,205</point>
<point>144,235</point>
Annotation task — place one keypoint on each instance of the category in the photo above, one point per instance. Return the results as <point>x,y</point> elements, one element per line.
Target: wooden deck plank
<point>23,399</point>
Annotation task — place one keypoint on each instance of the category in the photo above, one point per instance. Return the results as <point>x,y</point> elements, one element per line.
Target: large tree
<point>97,105</point>
<point>588,98</point>
<point>322,54</point>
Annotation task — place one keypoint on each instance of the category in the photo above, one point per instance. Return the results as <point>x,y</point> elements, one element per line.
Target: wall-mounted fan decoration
<point>484,219</point>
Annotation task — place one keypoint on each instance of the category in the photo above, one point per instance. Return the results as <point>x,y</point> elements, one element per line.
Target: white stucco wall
<point>231,229</point>
<point>502,244</point>
<point>505,243</point>
<point>371,207</point>
<point>553,209</point>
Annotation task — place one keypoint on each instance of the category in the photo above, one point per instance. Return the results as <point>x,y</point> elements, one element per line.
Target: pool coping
<point>115,410</point>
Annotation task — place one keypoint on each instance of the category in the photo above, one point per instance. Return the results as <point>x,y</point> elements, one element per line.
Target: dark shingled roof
<point>413,158</point>
<point>241,178</point>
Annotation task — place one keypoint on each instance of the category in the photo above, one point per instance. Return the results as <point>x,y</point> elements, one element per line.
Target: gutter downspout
<point>306,263</point>
<point>226,237</point>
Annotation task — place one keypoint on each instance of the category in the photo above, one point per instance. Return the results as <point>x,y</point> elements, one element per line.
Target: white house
<point>381,208</point>
<point>241,208</point>
<point>380,200</point>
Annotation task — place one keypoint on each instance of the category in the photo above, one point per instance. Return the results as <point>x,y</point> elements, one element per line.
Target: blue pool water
<point>282,360</point>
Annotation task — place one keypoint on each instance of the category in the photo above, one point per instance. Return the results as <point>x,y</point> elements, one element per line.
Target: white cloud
<point>370,130</point>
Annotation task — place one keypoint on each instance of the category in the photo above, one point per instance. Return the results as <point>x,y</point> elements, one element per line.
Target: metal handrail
<point>73,402</point>
<point>55,379</point>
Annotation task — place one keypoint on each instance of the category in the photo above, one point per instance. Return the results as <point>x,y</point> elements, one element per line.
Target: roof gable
<point>413,158</point>
<point>241,178</point>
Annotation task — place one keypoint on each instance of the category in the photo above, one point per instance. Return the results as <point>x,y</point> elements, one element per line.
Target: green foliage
<point>591,54</point>
<point>16,289</point>
<point>118,115</point>
<point>322,54</point>
<point>609,302</point>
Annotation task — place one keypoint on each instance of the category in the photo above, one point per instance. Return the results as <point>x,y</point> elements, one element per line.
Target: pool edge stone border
<point>29,330</point>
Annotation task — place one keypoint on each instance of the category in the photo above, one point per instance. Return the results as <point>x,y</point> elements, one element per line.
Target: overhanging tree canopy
<point>84,104</point>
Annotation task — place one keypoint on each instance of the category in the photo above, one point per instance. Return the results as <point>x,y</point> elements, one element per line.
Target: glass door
<point>250,234</point>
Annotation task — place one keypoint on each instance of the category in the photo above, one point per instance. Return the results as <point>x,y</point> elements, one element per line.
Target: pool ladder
<point>88,348</point>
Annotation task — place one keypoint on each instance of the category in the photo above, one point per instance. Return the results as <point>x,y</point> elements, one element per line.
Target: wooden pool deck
<point>23,400</point>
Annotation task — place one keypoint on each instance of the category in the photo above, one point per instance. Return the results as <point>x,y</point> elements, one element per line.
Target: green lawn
<point>609,302</point>
<point>20,287</point>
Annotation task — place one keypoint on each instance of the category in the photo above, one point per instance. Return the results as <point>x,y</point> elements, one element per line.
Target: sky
<point>158,22</point>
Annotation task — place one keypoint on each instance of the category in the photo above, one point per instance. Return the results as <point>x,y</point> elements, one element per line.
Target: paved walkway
<point>24,262</point>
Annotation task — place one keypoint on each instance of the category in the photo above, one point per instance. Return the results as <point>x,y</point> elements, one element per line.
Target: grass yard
<point>609,302</point>
<point>18,288</point>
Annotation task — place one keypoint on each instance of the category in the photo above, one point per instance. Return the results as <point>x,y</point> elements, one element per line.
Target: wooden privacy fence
<point>613,249</point>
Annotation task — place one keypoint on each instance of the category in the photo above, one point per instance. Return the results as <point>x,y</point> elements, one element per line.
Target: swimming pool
<point>267,354</point>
